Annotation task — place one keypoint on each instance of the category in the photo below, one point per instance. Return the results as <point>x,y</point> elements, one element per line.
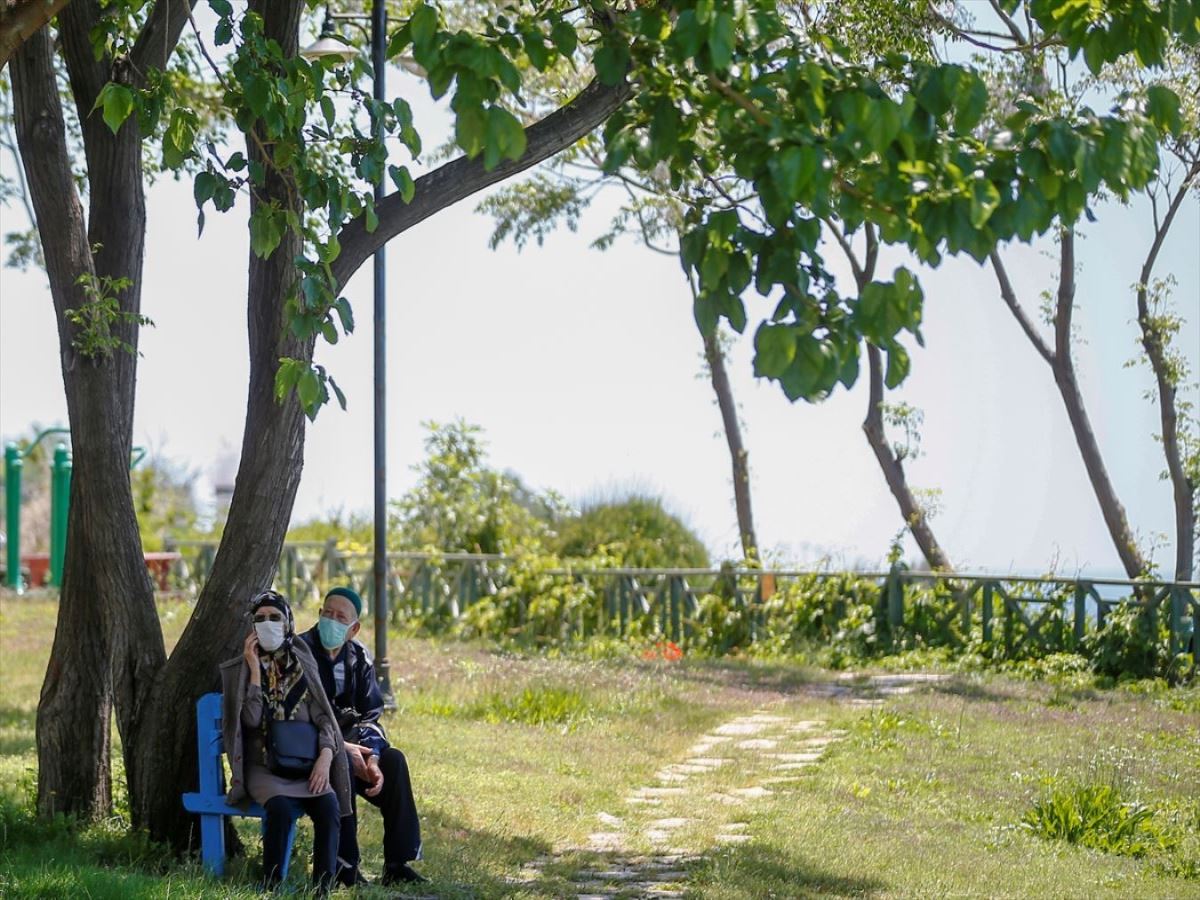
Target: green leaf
<point>1162,107</point>
<point>721,40</point>
<point>337,392</point>
<point>774,349</point>
<point>984,200</point>
<point>342,307</point>
<point>611,61</point>
<point>403,181</point>
<point>266,232</point>
<point>204,187</point>
<point>424,24</point>
<point>286,376</point>
<point>308,388</point>
<point>329,331</point>
<point>117,101</point>
<point>898,365</point>
<point>564,36</point>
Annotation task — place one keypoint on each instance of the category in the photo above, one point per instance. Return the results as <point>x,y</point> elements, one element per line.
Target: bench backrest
<point>210,744</point>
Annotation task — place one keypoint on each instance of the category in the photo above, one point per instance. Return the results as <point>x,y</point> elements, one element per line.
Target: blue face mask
<point>331,632</point>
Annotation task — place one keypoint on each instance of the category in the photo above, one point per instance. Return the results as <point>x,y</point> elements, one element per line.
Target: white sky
<point>583,368</point>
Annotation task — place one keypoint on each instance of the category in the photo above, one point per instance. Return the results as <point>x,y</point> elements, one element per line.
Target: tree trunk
<point>264,492</point>
<point>889,463</point>
<point>738,455</point>
<point>893,470</point>
<point>1063,366</point>
<point>1183,488</point>
<point>103,563</point>
<point>1068,387</point>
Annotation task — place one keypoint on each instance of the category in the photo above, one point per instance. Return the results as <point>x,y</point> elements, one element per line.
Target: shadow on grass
<point>17,727</point>
<point>754,871</point>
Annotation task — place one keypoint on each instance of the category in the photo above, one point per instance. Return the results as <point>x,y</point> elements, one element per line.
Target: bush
<point>637,532</point>
<point>1130,645</point>
<point>1096,816</point>
<point>462,505</point>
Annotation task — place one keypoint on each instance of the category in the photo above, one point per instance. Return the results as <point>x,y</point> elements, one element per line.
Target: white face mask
<point>270,635</point>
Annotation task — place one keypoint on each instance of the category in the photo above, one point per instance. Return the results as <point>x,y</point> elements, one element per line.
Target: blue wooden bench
<point>210,803</point>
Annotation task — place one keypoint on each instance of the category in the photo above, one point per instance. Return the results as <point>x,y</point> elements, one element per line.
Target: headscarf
<point>284,684</point>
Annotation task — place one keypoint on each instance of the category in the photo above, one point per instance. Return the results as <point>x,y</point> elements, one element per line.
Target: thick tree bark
<point>264,492</point>
<point>738,455</point>
<point>462,177</point>
<point>1183,489</point>
<point>103,565</point>
<point>22,19</point>
<point>1063,367</point>
<point>890,464</point>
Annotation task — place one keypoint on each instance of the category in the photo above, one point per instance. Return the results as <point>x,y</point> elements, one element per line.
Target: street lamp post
<point>329,44</point>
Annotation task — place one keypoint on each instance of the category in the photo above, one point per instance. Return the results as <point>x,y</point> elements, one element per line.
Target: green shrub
<point>1096,816</point>
<point>1132,644</point>
<point>637,532</point>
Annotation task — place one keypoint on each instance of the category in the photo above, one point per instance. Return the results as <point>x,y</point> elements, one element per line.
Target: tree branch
<point>21,21</point>
<point>1160,231</point>
<point>42,137</point>
<point>160,35</point>
<point>462,177</point>
<point>87,74</point>
<point>1010,300</point>
<point>1064,306</point>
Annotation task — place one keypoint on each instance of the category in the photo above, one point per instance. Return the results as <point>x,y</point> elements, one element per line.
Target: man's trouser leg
<point>401,828</point>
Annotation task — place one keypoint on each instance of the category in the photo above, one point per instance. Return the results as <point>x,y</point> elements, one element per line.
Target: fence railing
<point>1017,615</point>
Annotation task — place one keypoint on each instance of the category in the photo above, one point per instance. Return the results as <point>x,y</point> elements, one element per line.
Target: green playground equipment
<point>60,504</point>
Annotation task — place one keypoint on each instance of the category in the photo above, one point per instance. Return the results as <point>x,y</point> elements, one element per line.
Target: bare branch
<point>1010,300</point>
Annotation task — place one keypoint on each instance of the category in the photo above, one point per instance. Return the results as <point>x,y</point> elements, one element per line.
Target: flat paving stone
<point>741,727</point>
<point>708,762</point>
<point>676,822</point>
<point>790,766</point>
<point>732,838</point>
<point>757,744</point>
<point>644,801</point>
<point>606,840</point>
<point>609,819</point>
<point>670,776</point>
<point>794,757</point>
<point>725,798</point>
<point>753,793</point>
<point>659,792</point>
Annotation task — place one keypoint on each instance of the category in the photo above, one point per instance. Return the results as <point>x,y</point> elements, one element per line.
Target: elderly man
<point>380,770</point>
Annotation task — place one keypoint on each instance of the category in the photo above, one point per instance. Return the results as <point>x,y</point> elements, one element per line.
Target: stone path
<point>763,753</point>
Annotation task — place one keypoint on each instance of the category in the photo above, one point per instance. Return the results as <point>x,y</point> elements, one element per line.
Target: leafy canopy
<point>721,90</point>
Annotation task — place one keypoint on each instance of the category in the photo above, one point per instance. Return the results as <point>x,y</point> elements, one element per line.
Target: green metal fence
<point>1018,616</point>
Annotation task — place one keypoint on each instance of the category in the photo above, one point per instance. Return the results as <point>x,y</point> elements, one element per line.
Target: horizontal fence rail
<point>1015,616</point>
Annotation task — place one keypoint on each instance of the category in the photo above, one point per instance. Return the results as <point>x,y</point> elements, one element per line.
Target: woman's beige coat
<point>235,678</point>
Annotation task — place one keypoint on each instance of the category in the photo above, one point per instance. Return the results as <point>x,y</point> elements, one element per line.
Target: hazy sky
<point>584,369</point>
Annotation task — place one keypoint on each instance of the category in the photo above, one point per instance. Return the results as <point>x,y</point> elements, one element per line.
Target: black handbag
<point>291,748</point>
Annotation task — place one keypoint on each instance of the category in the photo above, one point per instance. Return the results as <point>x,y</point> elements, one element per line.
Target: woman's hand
<point>318,781</point>
<point>250,654</point>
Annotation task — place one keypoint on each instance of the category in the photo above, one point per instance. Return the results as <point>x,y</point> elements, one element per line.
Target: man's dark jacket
<point>360,703</point>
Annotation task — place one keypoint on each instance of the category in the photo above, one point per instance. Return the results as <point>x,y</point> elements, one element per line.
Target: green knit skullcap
<point>350,594</point>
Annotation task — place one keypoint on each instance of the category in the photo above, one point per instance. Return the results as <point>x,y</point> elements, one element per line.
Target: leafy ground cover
<point>517,758</point>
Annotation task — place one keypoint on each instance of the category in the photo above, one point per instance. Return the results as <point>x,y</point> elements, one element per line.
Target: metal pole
<point>12,513</point>
<point>382,665</point>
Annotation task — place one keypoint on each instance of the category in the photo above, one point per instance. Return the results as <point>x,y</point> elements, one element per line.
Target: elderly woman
<point>270,688</point>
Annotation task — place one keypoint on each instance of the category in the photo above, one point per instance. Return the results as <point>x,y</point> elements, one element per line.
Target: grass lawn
<point>517,761</point>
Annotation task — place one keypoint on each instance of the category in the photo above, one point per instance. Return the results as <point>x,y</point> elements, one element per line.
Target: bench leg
<point>291,842</point>
<point>212,844</point>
